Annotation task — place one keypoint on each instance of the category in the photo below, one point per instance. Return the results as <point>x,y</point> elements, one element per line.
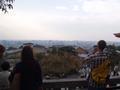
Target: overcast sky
<point>61,20</point>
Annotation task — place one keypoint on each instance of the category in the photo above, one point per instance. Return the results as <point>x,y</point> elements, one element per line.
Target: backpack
<point>101,72</point>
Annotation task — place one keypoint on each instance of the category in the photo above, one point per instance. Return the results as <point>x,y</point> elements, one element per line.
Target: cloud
<point>61,8</point>
<point>97,19</point>
<point>76,8</point>
<point>58,27</point>
<point>101,6</point>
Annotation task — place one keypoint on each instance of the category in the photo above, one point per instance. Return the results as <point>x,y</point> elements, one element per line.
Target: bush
<point>57,64</point>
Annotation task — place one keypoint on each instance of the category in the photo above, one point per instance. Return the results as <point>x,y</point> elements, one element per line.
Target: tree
<point>58,65</point>
<point>68,49</point>
<point>6,4</point>
<point>114,56</point>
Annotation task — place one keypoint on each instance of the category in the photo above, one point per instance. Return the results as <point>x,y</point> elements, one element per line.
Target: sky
<point>85,20</point>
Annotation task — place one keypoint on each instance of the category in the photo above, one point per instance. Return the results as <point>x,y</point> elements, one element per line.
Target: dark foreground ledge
<point>72,84</point>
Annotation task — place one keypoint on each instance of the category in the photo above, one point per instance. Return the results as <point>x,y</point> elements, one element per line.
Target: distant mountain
<point>49,43</point>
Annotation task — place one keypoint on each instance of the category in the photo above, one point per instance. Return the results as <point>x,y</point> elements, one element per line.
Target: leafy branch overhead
<point>6,4</point>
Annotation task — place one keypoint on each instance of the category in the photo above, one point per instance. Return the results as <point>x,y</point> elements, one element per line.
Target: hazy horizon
<point>60,40</point>
<point>83,20</point>
<point>49,43</point>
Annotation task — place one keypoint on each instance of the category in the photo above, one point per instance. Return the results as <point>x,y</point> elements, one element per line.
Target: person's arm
<point>88,60</point>
<point>15,85</point>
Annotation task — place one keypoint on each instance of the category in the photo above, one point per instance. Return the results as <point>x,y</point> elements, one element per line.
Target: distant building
<point>82,53</point>
<point>39,49</point>
<point>83,56</point>
<point>55,47</point>
<point>11,48</point>
<point>58,46</point>
<point>27,44</point>
<point>80,50</point>
<point>13,51</point>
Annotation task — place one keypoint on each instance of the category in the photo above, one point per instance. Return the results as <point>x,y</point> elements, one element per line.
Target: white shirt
<point>4,83</point>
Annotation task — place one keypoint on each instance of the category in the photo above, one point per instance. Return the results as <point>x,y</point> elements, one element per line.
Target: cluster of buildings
<point>44,50</point>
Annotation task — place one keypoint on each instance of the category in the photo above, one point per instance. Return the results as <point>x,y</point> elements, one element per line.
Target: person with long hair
<point>26,74</point>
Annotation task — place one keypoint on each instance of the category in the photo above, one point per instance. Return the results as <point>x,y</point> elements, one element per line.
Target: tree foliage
<point>60,64</point>
<point>62,50</point>
<point>115,57</point>
<point>6,4</point>
<point>68,49</point>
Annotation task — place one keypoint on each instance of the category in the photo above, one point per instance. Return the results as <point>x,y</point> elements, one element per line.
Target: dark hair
<point>101,44</point>
<point>27,54</point>
<point>2,49</point>
<point>5,66</point>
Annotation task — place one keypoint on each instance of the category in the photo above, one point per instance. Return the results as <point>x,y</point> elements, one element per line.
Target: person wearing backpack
<point>100,68</point>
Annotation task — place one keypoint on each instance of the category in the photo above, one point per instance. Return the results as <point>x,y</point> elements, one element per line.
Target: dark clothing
<point>30,73</point>
<point>1,61</point>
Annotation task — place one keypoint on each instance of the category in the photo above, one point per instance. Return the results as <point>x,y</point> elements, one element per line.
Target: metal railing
<point>76,84</point>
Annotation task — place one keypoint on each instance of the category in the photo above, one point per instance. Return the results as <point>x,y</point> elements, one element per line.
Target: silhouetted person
<point>27,73</point>
<point>4,74</point>
<point>2,50</point>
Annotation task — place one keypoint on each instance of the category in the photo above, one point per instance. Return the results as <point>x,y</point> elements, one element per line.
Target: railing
<point>76,84</point>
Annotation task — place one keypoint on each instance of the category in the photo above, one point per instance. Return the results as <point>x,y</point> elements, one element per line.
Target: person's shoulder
<point>96,55</point>
<point>4,74</point>
<point>1,73</point>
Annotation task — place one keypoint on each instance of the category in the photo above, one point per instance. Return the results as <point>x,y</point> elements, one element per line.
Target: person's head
<point>5,66</point>
<point>101,45</point>
<point>27,54</point>
<point>2,50</point>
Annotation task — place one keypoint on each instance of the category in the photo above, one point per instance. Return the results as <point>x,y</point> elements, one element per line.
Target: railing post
<point>71,89</point>
<point>46,89</point>
<point>57,89</point>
